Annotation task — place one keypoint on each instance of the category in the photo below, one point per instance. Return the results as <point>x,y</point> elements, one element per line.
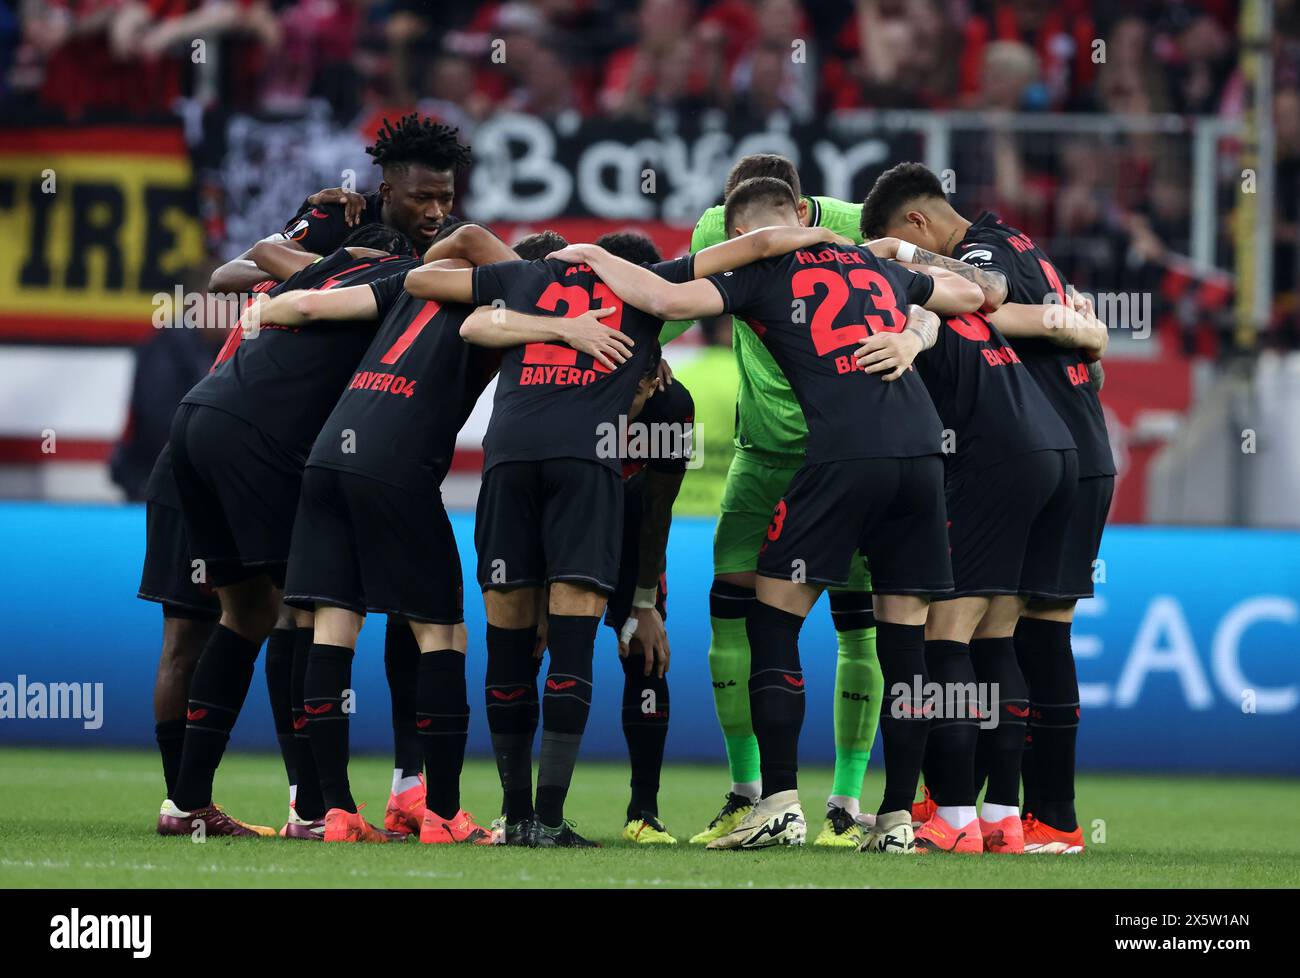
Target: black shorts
<point>1006,523</point>
<point>365,545</point>
<point>239,492</point>
<point>1081,541</point>
<point>891,509</point>
<point>169,575</point>
<point>558,519</point>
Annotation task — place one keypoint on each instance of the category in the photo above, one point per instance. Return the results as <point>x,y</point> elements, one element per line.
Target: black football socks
<point>645,728</point>
<point>997,756</point>
<point>308,803</point>
<point>442,717</point>
<point>566,701</point>
<point>327,707</point>
<point>217,693</point>
<point>904,716</point>
<point>510,693</point>
<point>954,730</point>
<point>401,665</point>
<point>279,689</point>
<point>776,693</point>
<point>1047,660</point>
<point>170,735</point>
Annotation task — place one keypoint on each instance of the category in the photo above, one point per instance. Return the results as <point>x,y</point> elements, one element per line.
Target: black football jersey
<point>813,309</point>
<point>552,401</point>
<point>986,397</point>
<point>409,395</point>
<point>1061,373</point>
<point>285,380</point>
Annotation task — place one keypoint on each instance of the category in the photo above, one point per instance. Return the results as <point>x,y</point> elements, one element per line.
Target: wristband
<point>645,597</point>
<point>906,251</point>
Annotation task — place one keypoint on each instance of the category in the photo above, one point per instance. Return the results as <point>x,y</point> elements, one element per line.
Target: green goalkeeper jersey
<point>769,421</point>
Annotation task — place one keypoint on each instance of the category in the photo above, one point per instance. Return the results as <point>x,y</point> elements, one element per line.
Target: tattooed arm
<point>991,282</point>
<point>894,352</point>
<point>1097,374</point>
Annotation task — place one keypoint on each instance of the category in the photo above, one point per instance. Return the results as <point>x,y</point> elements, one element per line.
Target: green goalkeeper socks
<point>729,664</point>
<point>859,686</point>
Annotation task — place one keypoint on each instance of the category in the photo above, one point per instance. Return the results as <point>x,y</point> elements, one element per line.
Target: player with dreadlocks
<point>419,159</point>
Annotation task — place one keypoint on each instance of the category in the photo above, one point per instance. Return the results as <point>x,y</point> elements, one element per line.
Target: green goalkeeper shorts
<point>750,494</point>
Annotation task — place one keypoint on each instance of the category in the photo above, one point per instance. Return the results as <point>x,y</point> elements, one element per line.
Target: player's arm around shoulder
<point>472,243</point>
<point>759,244</point>
<point>1060,324</point>
<point>304,306</point>
<point>642,288</point>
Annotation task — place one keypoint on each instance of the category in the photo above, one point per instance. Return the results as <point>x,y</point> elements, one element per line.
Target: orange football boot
<point>436,829</point>
<point>405,812</point>
<point>1005,837</point>
<point>936,835</point>
<point>345,826</point>
<point>1042,838</point>
<point>923,810</point>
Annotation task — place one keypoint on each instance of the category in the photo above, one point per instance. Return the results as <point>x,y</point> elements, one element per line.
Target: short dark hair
<point>892,190</point>
<point>757,192</point>
<point>380,237</point>
<point>631,246</point>
<point>539,245</point>
<point>762,165</point>
<point>416,140</point>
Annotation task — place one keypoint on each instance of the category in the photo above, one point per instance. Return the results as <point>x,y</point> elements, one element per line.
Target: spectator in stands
<point>668,67</point>
<point>891,54</point>
<point>780,62</point>
<point>1061,35</point>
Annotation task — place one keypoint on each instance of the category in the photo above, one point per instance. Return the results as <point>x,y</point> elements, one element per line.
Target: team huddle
<point>891,446</point>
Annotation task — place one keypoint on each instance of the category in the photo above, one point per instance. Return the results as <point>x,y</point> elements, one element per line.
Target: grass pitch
<point>86,819</point>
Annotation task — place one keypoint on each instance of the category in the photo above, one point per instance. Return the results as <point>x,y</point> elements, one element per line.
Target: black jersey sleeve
<point>493,282</point>
<point>318,229</point>
<point>985,252</point>
<point>742,286</point>
<point>388,291</point>
<point>917,287</point>
<point>675,270</point>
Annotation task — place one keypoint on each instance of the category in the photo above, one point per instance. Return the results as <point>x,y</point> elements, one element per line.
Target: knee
<point>183,641</point>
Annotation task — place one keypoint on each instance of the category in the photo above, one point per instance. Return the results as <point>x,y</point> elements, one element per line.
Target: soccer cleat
<point>405,812</point>
<point>923,810</point>
<point>173,821</point>
<point>776,820</point>
<point>1006,837</point>
<point>892,833</point>
<point>936,835</point>
<point>1042,838</point>
<point>647,831</point>
<point>344,826</point>
<point>510,833</point>
<point>562,836</point>
<point>734,810</point>
<point>840,830</point>
<point>303,828</point>
<point>462,828</point>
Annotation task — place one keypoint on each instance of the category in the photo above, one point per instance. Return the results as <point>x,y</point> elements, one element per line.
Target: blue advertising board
<point>1188,658</point>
